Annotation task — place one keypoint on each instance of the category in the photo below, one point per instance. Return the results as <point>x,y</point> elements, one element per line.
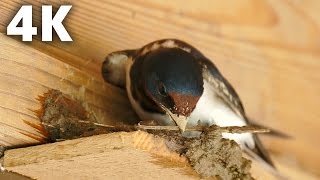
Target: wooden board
<point>116,156</point>
<point>137,155</point>
<point>26,73</point>
<point>268,49</point>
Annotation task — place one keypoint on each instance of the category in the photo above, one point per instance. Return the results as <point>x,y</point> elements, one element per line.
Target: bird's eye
<point>162,90</point>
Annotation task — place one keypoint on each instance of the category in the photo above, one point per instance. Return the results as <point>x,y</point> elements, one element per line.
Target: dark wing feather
<point>261,151</point>
<point>113,71</point>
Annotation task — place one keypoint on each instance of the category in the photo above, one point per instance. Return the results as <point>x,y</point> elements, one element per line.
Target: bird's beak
<point>181,121</point>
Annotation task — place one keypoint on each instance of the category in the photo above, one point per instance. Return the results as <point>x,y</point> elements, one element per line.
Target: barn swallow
<point>172,83</point>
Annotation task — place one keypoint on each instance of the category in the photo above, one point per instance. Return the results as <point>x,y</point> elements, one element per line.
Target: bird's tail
<point>273,132</point>
<point>260,154</point>
<point>261,151</point>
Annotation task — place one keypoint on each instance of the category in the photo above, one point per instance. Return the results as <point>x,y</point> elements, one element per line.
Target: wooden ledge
<point>120,155</point>
<point>137,155</point>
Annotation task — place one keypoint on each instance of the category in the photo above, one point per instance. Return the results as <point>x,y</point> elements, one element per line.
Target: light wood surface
<point>113,156</point>
<point>26,73</point>
<point>268,49</point>
<point>137,155</point>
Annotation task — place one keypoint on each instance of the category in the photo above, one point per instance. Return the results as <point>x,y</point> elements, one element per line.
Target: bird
<point>174,84</point>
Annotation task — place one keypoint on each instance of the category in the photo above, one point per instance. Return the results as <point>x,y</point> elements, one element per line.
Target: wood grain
<point>137,155</point>
<point>93,145</point>
<point>268,49</point>
<point>26,73</point>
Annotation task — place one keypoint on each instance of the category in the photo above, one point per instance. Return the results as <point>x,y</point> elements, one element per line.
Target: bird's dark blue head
<point>172,78</point>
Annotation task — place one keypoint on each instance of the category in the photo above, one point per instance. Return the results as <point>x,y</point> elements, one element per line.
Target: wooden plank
<point>11,175</point>
<point>26,73</point>
<point>116,156</point>
<point>268,49</point>
<point>137,155</point>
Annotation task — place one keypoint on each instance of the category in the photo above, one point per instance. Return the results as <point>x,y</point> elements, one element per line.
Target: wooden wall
<point>268,49</point>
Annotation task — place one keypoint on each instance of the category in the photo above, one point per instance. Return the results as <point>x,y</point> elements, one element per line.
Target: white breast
<point>210,110</point>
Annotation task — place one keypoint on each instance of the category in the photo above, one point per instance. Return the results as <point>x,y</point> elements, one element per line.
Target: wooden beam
<point>116,155</point>
<point>137,155</point>
<point>26,73</point>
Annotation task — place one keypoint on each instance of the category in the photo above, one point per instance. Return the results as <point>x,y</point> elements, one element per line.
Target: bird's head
<point>172,78</point>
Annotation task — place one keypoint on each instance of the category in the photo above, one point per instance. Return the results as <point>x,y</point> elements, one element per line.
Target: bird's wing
<point>113,68</point>
<point>273,132</point>
<point>226,92</point>
<point>222,87</point>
